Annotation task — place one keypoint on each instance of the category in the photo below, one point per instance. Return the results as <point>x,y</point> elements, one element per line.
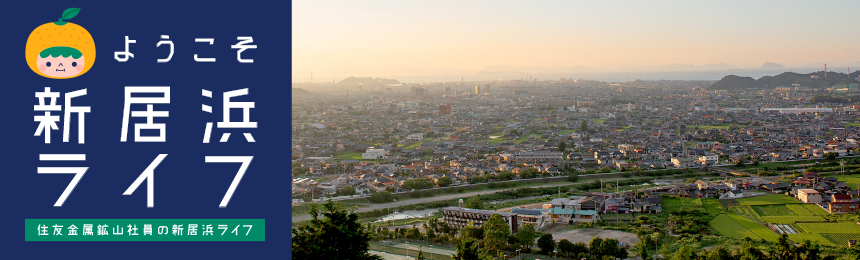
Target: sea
<point>607,76</point>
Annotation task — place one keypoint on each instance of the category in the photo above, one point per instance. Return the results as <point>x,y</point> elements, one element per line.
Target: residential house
<point>842,203</point>
<point>809,196</point>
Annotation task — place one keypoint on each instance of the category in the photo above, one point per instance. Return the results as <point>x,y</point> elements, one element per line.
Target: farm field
<point>773,210</point>
<point>746,211</point>
<point>349,156</point>
<point>816,210</point>
<point>818,238</point>
<point>792,219</point>
<point>731,228</point>
<point>712,206</point>
<point>750,217</point>
<point>850,179</point>
<point>841,239</point>
<point>799,210</point>
<point>829,228</point>
<point>758,229</point>
<point>774,199</point>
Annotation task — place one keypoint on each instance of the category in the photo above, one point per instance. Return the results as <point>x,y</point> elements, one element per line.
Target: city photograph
<point>461,130</point>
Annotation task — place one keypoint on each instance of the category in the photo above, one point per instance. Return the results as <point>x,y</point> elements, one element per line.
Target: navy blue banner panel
<point>145,130</point>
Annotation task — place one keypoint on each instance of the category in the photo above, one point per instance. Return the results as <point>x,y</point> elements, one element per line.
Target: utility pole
<point>842,164</point>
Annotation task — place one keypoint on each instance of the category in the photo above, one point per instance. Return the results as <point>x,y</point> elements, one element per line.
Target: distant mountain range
<point>619,67</point>
<point>369,81</point>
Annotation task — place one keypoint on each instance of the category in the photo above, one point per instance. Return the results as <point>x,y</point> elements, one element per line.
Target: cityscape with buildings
<point>579,130</point>
<point>352,142</point>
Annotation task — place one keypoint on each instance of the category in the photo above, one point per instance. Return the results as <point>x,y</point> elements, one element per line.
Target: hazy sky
<point>472,35</point>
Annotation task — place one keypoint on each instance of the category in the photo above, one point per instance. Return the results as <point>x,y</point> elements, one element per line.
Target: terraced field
<point>818,238</point>
<point>841,239</point>
<point>792,219</point>
<point>774,199</point>
<point>747,212</point>
<point>829,228</point>
<point>799,210</point>
<point>727,226</point>
<point>758,229</point>
<point>773,210</point>
<point>816,210</point>
<point>749,217</point>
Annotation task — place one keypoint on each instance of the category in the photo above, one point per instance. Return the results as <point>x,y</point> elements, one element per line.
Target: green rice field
<point>749,217</point>
<point>816,210</point>
<point>349,156</point>
<point>817,238</point>
<point>851,180</point>
<point>746,211</point>
<point>773,210</point>
<point>829,228</point>
<point>727,226</point>
<point>761,230</point>
<point>712,206</point>
<point>799,210</point>
<point>768,200</point>
<point>792,219</point>
<point>841,239</point>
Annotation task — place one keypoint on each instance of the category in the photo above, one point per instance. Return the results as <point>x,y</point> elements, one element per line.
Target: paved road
<point>452,196</point>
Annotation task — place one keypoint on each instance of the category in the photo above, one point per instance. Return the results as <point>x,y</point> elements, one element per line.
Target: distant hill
<point>369,81</point>
<point>732,82</point>
<point>785,79</point>
<point>771,65</point>
<point>806,80</point>
<point>499,72</point>
<point>299,91</point>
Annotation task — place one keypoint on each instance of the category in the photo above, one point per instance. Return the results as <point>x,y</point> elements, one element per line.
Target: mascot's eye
<point>74,64</point>
<point>49,64</point>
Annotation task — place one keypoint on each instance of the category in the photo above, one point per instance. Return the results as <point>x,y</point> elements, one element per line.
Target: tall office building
<point>418,91</point>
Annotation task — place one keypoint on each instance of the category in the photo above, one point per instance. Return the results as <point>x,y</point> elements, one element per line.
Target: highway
<point>457,195</point>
